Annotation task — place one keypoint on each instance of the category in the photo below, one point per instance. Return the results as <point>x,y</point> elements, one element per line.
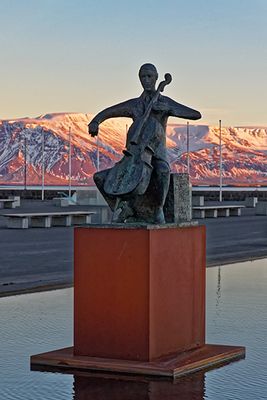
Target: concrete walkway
<point>42,259</point>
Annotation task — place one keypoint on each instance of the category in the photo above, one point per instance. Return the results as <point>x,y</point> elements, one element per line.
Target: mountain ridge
<point>244,150</point>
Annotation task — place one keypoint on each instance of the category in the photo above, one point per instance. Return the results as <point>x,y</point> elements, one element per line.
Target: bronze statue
<point>136,187</point>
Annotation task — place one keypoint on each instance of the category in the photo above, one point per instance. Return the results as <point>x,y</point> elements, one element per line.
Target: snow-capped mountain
<point>22,141</point>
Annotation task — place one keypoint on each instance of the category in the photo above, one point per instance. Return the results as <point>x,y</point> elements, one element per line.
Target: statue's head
<point>148,76</point>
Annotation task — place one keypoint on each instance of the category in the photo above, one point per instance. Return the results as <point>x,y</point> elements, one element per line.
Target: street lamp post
<point>25,163</point>
<point>220,141</point>
<point>97,153</point>
<point>43,165</point>
<point>187,148</point>
<point>69,162</point>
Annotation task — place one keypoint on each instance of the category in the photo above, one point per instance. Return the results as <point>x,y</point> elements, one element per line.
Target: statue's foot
<point>122,213</point>
<point>159,216</point>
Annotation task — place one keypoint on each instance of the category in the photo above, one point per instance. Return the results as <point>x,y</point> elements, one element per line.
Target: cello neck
<point>143,119</point>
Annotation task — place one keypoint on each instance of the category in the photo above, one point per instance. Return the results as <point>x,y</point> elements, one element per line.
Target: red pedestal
<point>139,294</point>
<point>139,303</point>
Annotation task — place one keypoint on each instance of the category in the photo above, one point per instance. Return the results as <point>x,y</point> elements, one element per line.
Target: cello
<point>131,175</point>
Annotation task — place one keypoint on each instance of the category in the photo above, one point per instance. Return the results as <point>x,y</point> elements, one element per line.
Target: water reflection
<point>41,322</point>
<point>218,292</point>
<point>111,387</point>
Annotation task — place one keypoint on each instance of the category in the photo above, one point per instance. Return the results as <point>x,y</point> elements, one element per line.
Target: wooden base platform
<point>173,366</point>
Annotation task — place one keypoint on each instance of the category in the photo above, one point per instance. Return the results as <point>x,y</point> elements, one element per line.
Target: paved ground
<point>43,258</point>
<point>236,239</point>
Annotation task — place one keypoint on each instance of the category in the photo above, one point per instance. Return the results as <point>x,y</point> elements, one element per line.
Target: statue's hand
<point>160,106</point>
<point>93,128</point>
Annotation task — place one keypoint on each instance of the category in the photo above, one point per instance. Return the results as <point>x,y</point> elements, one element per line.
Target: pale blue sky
<point>84,55</point>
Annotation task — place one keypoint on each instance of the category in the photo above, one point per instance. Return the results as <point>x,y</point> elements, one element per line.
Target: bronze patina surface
<point>136,187</point>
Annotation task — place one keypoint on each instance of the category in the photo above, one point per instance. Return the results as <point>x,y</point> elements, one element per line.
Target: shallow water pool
<point>236,315</point>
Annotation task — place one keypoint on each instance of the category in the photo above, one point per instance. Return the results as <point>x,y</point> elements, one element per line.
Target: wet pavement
<point>41,258</point>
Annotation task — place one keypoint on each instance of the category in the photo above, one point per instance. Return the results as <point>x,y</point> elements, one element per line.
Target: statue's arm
<point>174,109</point>
<point>119,110</point>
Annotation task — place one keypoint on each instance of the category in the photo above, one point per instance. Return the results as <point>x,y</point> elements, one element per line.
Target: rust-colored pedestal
<point>138,293</point>
<point>139,302</point>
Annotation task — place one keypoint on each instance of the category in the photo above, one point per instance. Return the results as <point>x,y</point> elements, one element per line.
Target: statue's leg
<point>99,179</point>
<point>161,180</point>
<point>149,206</point>
<point>120,208</point>
<point>123,212</point>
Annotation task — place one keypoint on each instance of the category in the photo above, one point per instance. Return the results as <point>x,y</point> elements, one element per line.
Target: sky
<point>84,55</point>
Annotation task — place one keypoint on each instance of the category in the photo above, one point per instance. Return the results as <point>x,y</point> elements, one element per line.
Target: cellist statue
<point>136,187</point>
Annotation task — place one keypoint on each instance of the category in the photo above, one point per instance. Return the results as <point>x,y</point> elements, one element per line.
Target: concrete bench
<point>94,201</point>
<point>103,214</point>
<point>47,220</point>
<point>62,201</point>
<point>11,202</point>
<point>261,208</point>
<point>214,211</point>
<point>197,200</point>
<point>90,197</point>
<point>251,202</point>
